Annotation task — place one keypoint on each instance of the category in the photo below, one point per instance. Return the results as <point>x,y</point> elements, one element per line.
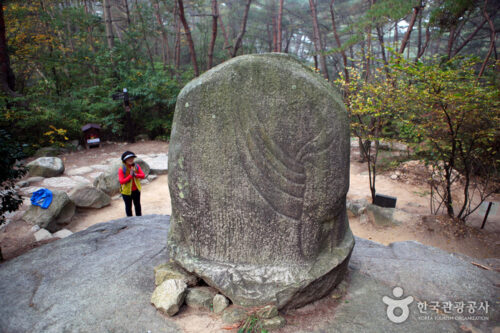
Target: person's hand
<point>132,172</point>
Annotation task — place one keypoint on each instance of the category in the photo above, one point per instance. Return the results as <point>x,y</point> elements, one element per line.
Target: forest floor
<point>406,183</point>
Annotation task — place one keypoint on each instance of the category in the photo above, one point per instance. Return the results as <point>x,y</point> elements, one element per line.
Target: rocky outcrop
<point>101,280</point>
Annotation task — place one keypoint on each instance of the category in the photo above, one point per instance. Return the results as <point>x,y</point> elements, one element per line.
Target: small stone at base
<point>200,297</point>
<point>268,311</point>
<point>169,296</point>
<point>273,323</point>
<point>220,303</point>
<point>234,315</point>
<point>42,234</point>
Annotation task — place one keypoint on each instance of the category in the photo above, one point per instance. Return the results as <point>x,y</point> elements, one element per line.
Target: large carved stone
<point>258,176</point>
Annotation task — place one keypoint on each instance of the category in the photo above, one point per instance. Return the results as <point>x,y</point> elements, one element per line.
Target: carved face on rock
<point>258,166</point>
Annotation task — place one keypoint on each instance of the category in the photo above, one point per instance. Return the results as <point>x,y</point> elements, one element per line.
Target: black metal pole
<point>486,215</point>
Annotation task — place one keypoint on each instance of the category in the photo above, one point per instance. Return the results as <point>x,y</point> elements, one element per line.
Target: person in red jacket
<point>130,185</point>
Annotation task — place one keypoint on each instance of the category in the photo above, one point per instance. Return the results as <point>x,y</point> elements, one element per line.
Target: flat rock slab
<point>62,182</point>
<point>158,164</point>
<point>102,279</point>
<point>79,171</point>
<point>97,280</point>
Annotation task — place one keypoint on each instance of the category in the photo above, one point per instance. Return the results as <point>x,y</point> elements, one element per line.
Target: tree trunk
<point>215,15</point>
<point>239,38</point>
<point>426,44</point>
<point>451,40</point>
<point>419,39</point>
<point>368,52</point>
<point>288,40</point>
<point>396,37</point>
<point>339,44</point>
<point>469,38</point>
<point>492,39</point>
<point>192,51</point>
<point>165,48</point>
<point>143,24</point>
<point>269,38</point>
<point>108,24</point>
<point>318,45</point>
<point>177,51</point>
<point>127,11</point>
<point>275,29</point>
<point>224,33</point>
<point>280,22</point>
<point>7,79</point>
<point>406,38</point>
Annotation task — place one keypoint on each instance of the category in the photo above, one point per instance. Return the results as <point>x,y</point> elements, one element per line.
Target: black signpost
<point>126,105</point>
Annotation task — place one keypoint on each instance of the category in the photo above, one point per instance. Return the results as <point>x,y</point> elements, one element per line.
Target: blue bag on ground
<point>42,198</point>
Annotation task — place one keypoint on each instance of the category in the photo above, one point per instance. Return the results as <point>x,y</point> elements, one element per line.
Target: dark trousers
<point>136,198</point>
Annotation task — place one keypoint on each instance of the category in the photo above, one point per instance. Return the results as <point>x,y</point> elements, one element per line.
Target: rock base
<point>287,286</point>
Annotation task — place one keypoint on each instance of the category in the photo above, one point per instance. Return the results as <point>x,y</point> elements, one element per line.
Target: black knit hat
<point>127,154</point>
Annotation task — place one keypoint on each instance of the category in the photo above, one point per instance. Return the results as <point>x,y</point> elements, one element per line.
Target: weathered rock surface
<point>101,280</point>
<point>98,280</point>
<point>27,182</point>
<point>220,303</point>
<point>60,211</point>
<point>63,233</point>
<point>427,274</point>
<point>108,181</point>
<point>268,311</point>
<point>258,174</point>
<point>42,234</point>
<point>158,164</point>
<point>234,315</point>
<point>273,323</point>
<point>172,271</point>
<point>89,196</point>
<point>200,297</point>
<point>356,207</point>
<point>80,171</point>
<point>386,217</point>
<point>46,167</point>
<point>169,296</point>
<point>61,182</point>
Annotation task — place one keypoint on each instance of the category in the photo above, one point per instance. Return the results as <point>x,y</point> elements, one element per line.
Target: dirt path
<point>413,198</point>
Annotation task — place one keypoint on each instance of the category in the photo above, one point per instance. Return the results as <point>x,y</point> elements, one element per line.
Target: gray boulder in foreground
<point>46,167</point>
<point>101,280</point>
